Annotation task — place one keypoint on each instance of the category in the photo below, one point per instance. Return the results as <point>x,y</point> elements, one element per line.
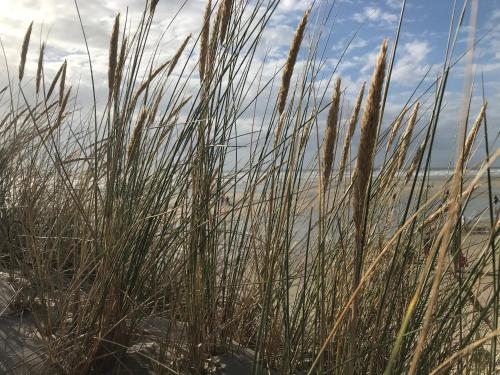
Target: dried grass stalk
<point>226,7</point>
<point>350,131</point>
<point>212,47</point>
<point>473,132</point>
<point>113,52</point>
<point>204,39</point>
<point>62,108</point>
<point>305,134</point>
<point>369,128</point>
<point>442,209</point>
<point>137,135</point>
<point>445,234</point>
<point>406,137</point>
<point>55,80</point>
<point>146,83</point>
<point>395,129</point>
<point>414,162</point>
<point>331,134</point>
<point>24,51</point>
<point>39,68</point>
<point>177,55</point>
<point>290,62</point>
<point>62,82</point>
<point>361,178</point>
<point>119,68</point>
<point>152,5</point>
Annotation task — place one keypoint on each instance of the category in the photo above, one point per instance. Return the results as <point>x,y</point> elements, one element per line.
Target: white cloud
<point>375,14</point>
<point>355,44</point>
<point>394,4</point>
<point>412,64</point>
<point>369,61</point>
<point>293,5</point>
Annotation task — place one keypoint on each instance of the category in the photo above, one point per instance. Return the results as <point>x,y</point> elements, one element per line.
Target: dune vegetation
<point>137,228</point>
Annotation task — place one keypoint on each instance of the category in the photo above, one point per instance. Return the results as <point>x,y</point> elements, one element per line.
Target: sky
<point>421,49</point>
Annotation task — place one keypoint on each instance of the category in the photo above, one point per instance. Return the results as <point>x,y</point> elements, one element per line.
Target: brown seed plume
<point>212,47</point>
<point>225,18</point>
<point>24,51</point>
<point>395,128</point>
<point>39,68</point>
<point>54,81</point>
<point>113,52</point>
<point>177,55</point>
<point>369,130</point>
<point>152,6</point>
<point>331,134</point>
<point>350,131</point>
<point>204,38</point>
<point>290,62</point>
<point>361,178</point>
<point>119,68</point>
<point>62,108</point>
<point>146,83</point>
<point>62,82</point>
<point>137,135</point>
<point>406,137</point>
<point>414,162</point>
<point>473,132</point>
<point>305,134</point>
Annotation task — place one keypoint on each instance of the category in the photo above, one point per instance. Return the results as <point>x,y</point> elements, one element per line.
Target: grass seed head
<point>473,132</point>
<point>152,5</point>
<point>113,52</point>
<point>406,137</point>
<point>350,130</point>
<point>225,18</point>
<point>290,62</point>
<point>177,55</point>
<point>414,162</point>
<point>62,82</point>
<point>331,134</point>
<point>369,130</point>
<point>119,67</point>
<point>137,135</point>
<point>55,80</point>
<point>39,68</point>
<point>395,128</point>
<point>24,51</point>
<point>204,40</point>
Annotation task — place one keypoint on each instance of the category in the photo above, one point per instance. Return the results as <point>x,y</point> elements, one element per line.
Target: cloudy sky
<point>422,46</point>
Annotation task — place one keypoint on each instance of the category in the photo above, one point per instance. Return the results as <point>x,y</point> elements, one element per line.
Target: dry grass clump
<point>156,231</point>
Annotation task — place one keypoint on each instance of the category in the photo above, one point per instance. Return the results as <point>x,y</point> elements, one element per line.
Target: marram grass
<point>146,232</point>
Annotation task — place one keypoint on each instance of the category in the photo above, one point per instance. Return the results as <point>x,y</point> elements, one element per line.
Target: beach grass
<point>141,225</point>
